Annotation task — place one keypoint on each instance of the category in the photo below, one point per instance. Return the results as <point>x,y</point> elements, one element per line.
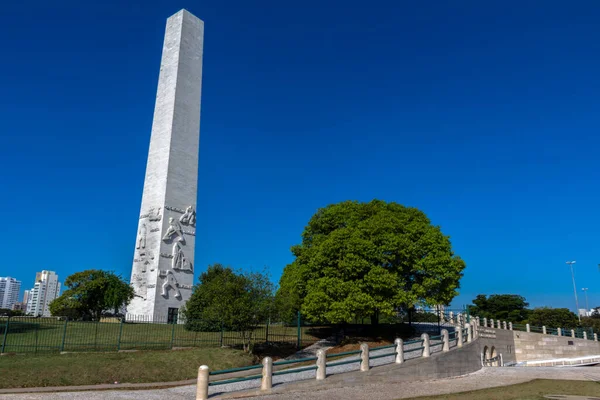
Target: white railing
<point>560,362</point>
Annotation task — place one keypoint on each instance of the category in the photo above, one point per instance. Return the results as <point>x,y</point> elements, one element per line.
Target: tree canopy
<point>91,293</point>
<point>229,300</point>
<point>553,317</point>
<point>508,307</point>
<point>364,259</point>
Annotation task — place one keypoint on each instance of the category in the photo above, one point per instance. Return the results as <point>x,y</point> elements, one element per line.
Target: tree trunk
<point>375,318</point>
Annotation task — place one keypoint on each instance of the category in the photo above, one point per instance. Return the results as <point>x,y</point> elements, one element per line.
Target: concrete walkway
<point>383,387</point>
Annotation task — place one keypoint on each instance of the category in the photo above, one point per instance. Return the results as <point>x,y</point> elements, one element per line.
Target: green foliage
<point>424,317</point>
<point>507,307</point>
<point>591,322</point>
<point>229,300</point>
<point>90,293</point>
<point>5,312</point>
<point>367,259</point>
<point>553,317</point>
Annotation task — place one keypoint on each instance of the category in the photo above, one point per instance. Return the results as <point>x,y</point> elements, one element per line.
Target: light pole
<point>574,289</point>
<point>587,306</point>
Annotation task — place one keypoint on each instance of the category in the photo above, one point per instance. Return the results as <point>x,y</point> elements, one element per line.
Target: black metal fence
<point>55,334</point>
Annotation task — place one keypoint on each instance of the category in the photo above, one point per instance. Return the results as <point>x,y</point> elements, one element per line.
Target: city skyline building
<point>45,289</point>
<point>9,292</point>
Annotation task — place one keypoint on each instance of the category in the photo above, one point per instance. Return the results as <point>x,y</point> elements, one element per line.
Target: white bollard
<point>510,326</point>
<point>595,337</point>
<point>321,365</point>
<point>267,374</point>
<point>558,332</point>
<point>485,322</point>
<point>501,360</point>
<point>399,351</point>
<point>459,336</point>
<point>573,333</point>
<point>584,335</point>
<point>426,350</point>
<point>469,332</point>
<point>445,340</point>
<point>364,357</point>
<point>544,329</point>
<point>527,328</point>
<point>492,323</point>
<point>452,317</point>
<point>499,324</point>
<point>504,325</point>
<point>202,384</point>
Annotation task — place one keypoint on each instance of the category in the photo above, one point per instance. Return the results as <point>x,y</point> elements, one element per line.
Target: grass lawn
<point>96,368</point>
<point>534,390</point>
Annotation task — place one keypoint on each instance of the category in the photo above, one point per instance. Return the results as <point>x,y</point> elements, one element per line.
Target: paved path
<point>382,388</point>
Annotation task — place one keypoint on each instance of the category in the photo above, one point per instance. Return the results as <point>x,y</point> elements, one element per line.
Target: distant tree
<point>90,293</point>
<point>591,322</point>
<point>5,312</point>
<point>506,307</point>
<point>361,260</point>
<point>229,300</point>
<point>553,317</point>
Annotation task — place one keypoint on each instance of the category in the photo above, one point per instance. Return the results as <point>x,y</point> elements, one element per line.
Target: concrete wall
<point>497,341</point>
<point>536,346</point>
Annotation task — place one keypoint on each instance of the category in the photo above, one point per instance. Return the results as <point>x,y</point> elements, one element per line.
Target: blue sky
<point>482,114</point>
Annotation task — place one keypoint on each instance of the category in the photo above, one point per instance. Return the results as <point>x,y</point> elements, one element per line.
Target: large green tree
<point>90,293</point>
<point>507,307</point>
<point>229,300</point>
<point>368,259</point>
<point>553,317</point>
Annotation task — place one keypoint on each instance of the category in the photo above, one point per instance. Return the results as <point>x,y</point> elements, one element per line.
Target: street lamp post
<point>574,289</point>
<point>587,306</point>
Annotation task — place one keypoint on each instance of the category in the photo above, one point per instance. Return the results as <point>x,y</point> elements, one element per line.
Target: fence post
<point>452,317</point>
<point>558,332</point>
<point>299,332</point>
<point>469,333</point>
<point>445,340</point>
<point>364,357</point>
<point>5,334</point>
<point>510,326</point>
<point>62,345</point>
<point>485,322</point>
<point>544,329</point>
<point>504,325</point>
<point>172,335</point>
<point>120,333</point>
<point>267,331</point>
<point>572,333</point>
<point>266,382</point>
<point>221,335</point>
<point>202,384</point>
<point>595,337</point>
<point>426,350</point>
<point>527,328</point>
<point>321,364</point>
<point>399,351</point>
<point>492,323</point>
<point>459,337</point>
<point>584,335</point>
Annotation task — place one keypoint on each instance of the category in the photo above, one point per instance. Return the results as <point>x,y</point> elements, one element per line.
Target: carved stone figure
<point>141,241</point>
<point>170,283</point>
<point>174,231</point>
<point>154,217</point>
<point>179,260</point>
<point>189,217</point>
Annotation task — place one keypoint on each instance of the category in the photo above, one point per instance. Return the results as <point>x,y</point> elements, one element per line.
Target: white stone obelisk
<point>163,266</point>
